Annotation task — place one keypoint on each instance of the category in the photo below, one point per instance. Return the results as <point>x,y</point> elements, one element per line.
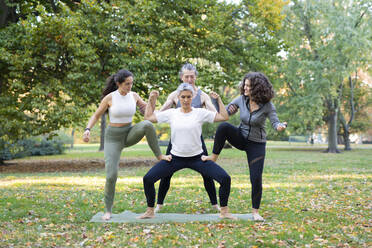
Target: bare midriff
<point>119,124</point>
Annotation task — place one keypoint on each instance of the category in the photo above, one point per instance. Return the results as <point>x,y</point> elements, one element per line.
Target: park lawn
<point>310,199</point>
<point>90,151</point>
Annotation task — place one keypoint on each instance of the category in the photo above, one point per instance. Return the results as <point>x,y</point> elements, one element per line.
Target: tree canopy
<point>56,55</point>
<point>327,41</point>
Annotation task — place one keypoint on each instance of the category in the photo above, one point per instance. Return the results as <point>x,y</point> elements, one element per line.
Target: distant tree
<point>357,98</point>
<point>326,42</point>
<point>47,74</point>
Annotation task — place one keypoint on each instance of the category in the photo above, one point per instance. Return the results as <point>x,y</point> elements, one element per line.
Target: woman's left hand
<point>214,95</point>
<point>282,126</point>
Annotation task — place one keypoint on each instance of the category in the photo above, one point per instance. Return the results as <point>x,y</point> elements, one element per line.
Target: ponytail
<point>110,86</point>
<point>111,81</point>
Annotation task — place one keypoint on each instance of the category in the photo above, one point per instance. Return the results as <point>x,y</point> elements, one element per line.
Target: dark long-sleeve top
<point>252,125</point>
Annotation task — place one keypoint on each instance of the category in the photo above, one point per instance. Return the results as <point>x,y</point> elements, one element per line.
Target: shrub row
<point>36,146</point>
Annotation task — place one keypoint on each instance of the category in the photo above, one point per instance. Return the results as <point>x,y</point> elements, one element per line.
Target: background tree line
<point>55,55</point>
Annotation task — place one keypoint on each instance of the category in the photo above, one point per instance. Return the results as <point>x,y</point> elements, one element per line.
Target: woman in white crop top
<point>121,104</point>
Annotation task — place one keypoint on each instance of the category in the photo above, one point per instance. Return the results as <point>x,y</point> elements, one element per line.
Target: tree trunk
<point>311,138</point>
<point>3,13</point>
<point>7,14</point>
<point>340,139</point>
<point>346,126</point>
<point>345,133</point>
<point>72,138</point>
<point>332,132</point>
<point>347,140</point>
<point>103,128</point>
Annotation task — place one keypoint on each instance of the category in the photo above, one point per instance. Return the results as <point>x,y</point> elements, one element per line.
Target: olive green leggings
<point>116,138</point>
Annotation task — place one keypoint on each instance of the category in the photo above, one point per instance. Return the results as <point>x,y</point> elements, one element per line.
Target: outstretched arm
<point>95,117</point>
<point>150,108</point>
<point>141,104</point>
<point>276,124</point>
<point>222,115</point>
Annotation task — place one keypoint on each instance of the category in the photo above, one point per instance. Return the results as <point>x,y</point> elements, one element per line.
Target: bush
<point>35,146</point>
<point>47,147</point>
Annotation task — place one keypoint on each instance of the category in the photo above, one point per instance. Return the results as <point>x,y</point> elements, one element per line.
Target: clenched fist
<point>154,94</point>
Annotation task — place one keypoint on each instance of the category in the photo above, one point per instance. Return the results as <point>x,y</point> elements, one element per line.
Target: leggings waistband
<point>187,158</point>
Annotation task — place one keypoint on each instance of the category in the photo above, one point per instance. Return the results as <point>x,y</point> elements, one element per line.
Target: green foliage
<point>55,57</point>
<point>209,130</point>
<point>50,74</point>
<point>326,41</point>
<point>36,146</point>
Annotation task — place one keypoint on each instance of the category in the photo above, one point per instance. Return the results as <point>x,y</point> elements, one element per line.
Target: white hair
<point>183,87</point>
<point>188,67</point>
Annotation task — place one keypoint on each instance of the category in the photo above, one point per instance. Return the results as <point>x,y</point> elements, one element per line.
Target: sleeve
<point>273,116</point>
<point>164,116</point>
<point>205,115</point>
<point>235,102</point>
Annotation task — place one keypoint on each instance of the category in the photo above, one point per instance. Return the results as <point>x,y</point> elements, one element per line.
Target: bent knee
<point>256,181</point>
<point>147,124</point>
<point>148,179</point>
<point>226,179</point>
<point>223,126</point>
<point>111,178</point>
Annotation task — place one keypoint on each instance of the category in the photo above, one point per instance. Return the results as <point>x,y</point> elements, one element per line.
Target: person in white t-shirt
<point>188,74</point>
<point>186,127</point>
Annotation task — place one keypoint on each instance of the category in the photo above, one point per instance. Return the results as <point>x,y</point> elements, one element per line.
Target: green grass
<point>82,151</point>
<point>310,199</point>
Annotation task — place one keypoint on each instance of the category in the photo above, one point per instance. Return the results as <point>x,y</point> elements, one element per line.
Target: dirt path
<point>60,165</point>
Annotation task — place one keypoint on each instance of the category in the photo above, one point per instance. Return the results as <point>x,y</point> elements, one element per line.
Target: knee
<point>207,179</point>
<point>165,181</point>
<point>223,127</point>
<point>147,179</point>
<point>147,124</point>
<point>256,181</point>
<point>111,177</point>
<point>226,179</point>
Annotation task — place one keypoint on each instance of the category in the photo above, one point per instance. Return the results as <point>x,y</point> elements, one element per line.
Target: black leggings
<point>255,154</point>
<point>164,168</point>
<point>208,181</point>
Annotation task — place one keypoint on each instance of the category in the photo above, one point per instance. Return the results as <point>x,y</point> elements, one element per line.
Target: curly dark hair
<point>261,90</point>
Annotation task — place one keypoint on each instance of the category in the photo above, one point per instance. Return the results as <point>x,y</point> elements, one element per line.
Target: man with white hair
<point>188,74</point>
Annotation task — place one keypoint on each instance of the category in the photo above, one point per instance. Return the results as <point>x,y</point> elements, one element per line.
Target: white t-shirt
<point>186,129</point>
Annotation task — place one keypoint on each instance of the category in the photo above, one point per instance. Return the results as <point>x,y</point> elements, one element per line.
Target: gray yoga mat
<point>129,217</point>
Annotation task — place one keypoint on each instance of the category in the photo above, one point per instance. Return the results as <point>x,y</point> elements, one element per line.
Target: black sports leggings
<point>255,154</point>
<point>208,182</point>
<point>208,168</point>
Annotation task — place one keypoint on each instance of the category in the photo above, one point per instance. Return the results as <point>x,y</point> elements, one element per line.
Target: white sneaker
<point>158,207</point>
